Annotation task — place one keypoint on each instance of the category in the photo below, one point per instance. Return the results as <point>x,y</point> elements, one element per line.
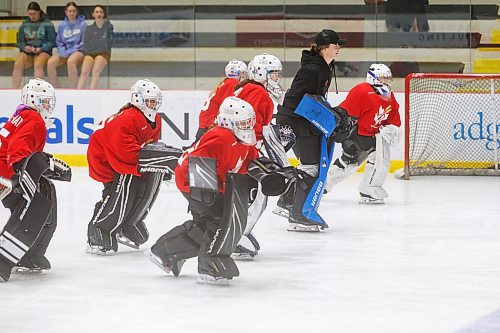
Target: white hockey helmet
<point>379,76</point>
<point>238,116</point>
<point>40,95</point>
<point>147,97</point>
<point>235,68</point>
<point>266,69</point>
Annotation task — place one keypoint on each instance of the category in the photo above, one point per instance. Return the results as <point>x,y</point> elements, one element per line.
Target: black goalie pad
<point>116,205</point>
<point>22,231</point>
<point>26,180</point>
<point>147,188</point>
<point>234,218</point>
<point>158,157</point>
<point>274,179</point>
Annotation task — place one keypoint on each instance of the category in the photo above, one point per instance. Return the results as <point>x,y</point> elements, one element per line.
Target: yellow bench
<point>8,40</point>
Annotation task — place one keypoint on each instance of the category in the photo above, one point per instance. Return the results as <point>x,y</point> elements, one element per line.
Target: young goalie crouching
<point>130,169</point>
<point>25,186</point>
<point>212,177</point>
<point>374,106</point>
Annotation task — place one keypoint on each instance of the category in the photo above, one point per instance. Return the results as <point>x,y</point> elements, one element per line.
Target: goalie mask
<point>40,95</point>
<point>266,69</point>
<point>235,68</point>
<point>147,97</point>
<point>238,116</point>
<point>379,76</point>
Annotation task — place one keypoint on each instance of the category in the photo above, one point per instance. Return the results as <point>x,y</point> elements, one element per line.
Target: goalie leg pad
<point>22,230</point>
<point>110,213</point>
<point>376,169</point>
<point>133,227</point>
<point>214,260</point>
<point>277,141</point>
<point>35,257</point>
<point>176,246</point>
<point>32,169</point>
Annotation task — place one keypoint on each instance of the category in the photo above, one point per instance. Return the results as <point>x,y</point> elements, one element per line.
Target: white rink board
<point>79,111</point>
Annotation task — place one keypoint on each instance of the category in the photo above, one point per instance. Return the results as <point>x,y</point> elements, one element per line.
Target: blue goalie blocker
<point>318,111</point>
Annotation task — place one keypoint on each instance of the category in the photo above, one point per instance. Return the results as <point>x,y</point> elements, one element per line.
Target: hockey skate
<point>368,199</point>
<point>100,241</point>
<point>168,266</point>
<point>133,235</point>
<point>31,264</point>
<point>282,209</point>
<point>304,225</point>
<point>243,253</point>
<point>216,270</point>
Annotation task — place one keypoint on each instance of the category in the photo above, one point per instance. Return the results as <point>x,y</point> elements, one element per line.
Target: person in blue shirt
<point>69,45</point>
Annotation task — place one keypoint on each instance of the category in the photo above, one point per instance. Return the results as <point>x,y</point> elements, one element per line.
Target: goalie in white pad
<point>373,104</point>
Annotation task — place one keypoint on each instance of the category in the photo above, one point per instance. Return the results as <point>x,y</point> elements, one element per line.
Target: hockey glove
<point>344,126</point>
<point>58,169</point>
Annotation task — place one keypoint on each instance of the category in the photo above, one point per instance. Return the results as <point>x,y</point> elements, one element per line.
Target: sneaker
<point>168,266</point>
<point>368,199</point>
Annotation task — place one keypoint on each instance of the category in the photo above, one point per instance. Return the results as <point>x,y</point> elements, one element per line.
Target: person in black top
<point>96,47</point>
<point>314,77</point>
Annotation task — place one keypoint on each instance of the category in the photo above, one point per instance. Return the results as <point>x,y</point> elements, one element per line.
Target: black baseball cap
<point>327,36</point>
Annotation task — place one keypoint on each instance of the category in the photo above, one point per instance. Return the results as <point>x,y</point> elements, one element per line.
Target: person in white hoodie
<point>69,43</point>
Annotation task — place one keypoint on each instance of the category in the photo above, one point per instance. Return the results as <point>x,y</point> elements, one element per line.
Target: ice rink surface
<point>427,261</point>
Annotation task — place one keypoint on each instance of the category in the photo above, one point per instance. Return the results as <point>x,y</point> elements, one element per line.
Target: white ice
<point>427,261</point>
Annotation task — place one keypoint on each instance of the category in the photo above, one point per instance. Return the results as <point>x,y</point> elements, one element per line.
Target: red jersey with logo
<point>212,104</point>
<point>114,146</point>
<point>371,110</point>
<point>221,144</point>
<point>258,97</point>
<point>22,135</point>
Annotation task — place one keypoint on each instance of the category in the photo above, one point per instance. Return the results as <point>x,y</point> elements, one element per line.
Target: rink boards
<point>78,112</point>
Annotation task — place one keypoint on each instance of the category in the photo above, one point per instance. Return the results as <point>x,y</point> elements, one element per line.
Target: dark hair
<point>246,81</point>
<point>34,6</point>
<point>70,4</point>
<point>100,6</point>
<point>317,49</point>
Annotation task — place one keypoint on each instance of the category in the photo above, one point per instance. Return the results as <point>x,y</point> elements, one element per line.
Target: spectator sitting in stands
<point>406,15</point>
<point>69,45</point>
<point>96,47</point>
<point>36,39</point>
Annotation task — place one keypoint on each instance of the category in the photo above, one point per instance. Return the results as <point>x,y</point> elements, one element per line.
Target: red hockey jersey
<point>211,107</point>
<point>371,110</point>
<point>21,136</point>
<point>114,146</point>
<point>258,97</point>
<point>221,144</point>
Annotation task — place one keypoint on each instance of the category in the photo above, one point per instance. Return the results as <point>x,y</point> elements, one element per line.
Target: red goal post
<point>452,124</point>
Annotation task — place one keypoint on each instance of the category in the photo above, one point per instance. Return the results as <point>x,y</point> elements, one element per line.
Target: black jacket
<point>314,77</point>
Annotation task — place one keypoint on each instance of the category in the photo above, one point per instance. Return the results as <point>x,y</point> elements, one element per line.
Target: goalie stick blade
<point>208,279</point>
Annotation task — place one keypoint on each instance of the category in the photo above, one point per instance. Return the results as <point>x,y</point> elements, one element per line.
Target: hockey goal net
<point>452,124</point>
